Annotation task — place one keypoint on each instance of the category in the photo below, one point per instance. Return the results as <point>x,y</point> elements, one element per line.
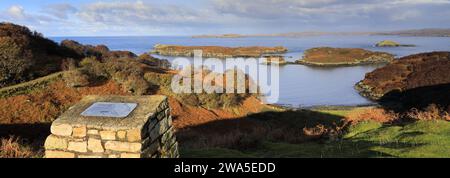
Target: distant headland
<point>429,32</point>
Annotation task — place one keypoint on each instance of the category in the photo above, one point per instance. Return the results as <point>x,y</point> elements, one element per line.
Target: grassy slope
<point>366,139</point>
<point>30,86</point>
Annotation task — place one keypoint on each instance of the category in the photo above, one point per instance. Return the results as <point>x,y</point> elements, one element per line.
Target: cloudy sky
<point>190,17</point>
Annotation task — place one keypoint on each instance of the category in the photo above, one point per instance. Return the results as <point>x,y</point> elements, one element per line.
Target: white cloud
<point>145,17</point>
<point>421,2</point>
<point>16,12</point>
<point>61,11</point>
<point>138,12</point>
<point>406,15</point>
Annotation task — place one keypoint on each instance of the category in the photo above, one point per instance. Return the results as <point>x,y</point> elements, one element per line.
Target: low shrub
<point>127,72</point>
<point>69,64</point>
<point>76,78</point>
<point>372,114</point>
<point>94,67</point>
<point>13,147</point>
<point>432,112</point>
<point>136,84</point>
<point>189,99</point>
<point>210,100</point>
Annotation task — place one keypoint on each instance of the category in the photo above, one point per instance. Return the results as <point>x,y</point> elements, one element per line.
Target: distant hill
<point>219,36</point>
<point>420,32</point>
<point>416,32</point>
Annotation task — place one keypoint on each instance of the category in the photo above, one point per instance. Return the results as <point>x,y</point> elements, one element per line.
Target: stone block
<point>58,154</point>
<point>95,145</point>
<point>108,135</point>
<point>113,156</point>
<point>123,146</point>
<point>122,135</point>
<point>79,132</point>
<point>93,132</point>
<point>55,143</point>
<point>80,147</point>
<point>61,129</point>
<point>130,155</point>
<point>134,135</point>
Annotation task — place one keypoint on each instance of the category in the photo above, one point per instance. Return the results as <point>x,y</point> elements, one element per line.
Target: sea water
<point>300,86</point>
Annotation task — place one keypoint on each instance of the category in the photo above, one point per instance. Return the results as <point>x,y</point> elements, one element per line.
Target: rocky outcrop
<point>216,51</point>
<point>326,56</point>
<point>421,72</point>
<point>152,61</point>
<point>389,43</point>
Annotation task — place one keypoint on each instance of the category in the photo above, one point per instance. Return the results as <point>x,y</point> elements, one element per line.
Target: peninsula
<point>420,74</point>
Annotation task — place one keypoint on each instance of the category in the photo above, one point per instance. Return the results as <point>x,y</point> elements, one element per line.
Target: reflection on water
<point>299,85</point>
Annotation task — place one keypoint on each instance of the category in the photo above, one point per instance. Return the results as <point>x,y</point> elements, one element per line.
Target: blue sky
<point>191,17</point>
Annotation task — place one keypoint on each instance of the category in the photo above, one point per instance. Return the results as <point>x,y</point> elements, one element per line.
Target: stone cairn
<point>146,132</point>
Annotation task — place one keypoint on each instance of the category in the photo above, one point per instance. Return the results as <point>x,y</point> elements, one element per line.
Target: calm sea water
<point>300,86</point>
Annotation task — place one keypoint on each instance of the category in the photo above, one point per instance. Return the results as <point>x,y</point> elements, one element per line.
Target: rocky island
<point>389,43</point>
<point>217,51</point>
<point>326,56</point>
<point>414,79</point>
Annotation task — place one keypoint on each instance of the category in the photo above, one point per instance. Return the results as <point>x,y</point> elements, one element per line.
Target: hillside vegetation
<point>25,55</point>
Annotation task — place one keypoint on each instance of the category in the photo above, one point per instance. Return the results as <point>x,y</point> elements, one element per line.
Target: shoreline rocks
<point>326,56</point>
<point>217,51</point>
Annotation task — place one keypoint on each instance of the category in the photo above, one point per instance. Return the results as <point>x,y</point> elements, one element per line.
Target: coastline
<point>343,64</point>
<point>328,107</point>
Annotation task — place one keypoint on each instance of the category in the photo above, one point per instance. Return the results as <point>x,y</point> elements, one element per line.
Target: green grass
<point>28,87</point>
<point>367,139</point>
<point>341,111</point>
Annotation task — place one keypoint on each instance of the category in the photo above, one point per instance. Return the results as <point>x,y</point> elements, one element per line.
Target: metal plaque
<point>108,109</point>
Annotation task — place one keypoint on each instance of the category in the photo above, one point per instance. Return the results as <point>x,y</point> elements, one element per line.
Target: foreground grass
<point>366,139</point>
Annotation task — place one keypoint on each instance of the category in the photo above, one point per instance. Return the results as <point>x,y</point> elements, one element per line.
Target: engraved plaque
<point>108,109</point>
